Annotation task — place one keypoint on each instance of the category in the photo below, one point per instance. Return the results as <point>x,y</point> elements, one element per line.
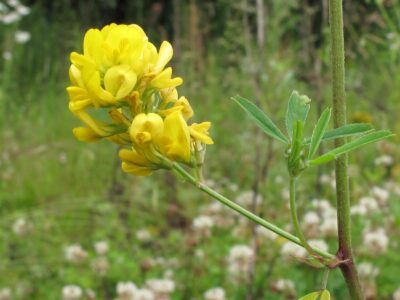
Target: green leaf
<point>297,110</point>
<point>347,130</point>
<point>261,119</point>
<point>361,141</point>
<point>297,144</point>
<point>321,295</point>
<point>319,131</point>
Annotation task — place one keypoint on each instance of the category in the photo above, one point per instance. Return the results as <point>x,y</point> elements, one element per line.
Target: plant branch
<point>180,170</point>
<point>345,251</point>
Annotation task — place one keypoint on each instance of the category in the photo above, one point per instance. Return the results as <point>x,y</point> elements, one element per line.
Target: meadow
<point>74,226</point>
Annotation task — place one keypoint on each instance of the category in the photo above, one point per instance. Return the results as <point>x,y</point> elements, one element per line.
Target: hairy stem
<point>345,251</point>
<point>180,170</point>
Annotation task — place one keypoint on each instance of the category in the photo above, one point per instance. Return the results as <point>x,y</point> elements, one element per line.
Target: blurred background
<point>72,226</point>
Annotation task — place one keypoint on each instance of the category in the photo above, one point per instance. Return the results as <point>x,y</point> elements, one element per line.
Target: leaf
<point>297,110</point>
<point>321,295</point>
<point>361,141</point>
<point>297,144</point>
<point>261,119</point>
<point>346,130</point>
<point>319,131</point>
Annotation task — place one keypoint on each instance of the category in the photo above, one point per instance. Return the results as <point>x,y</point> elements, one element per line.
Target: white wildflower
<point>90,294</point>
<point>101,247</point>
<point>367,270</point>
<point>265,233</point>
<point>13,3</point>
<point>143,235</point>
<point>246,199</point>
<point>284,286</point>
<point>7,55</point>
<point>290,250</point>
<point>161,288</point>
<point>126,290</point>
<point>396,294</point>
<point>202,225</point>
<point>71,292</point>
<point>22,227</point>
<point>10,18</point>
<point>382,195</point>
<point>216,293</point>
<point>75,253</point>
<point>377,241</point>
<point>358,210</point>
<point>5,294</point>
<point>384,160</point>
<point>23,10</point>
<point>100,265</point>
<point>144,294</point>
<point>21,37</point>
<point>329,227</point>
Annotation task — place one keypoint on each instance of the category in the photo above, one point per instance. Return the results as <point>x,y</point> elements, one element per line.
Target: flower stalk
<point>214,194</point>
<point>345,252</point>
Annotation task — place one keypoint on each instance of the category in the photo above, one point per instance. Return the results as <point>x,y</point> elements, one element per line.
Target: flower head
<point>122,72</point>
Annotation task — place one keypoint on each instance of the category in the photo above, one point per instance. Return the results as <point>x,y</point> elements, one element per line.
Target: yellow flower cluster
<point>122,73</point>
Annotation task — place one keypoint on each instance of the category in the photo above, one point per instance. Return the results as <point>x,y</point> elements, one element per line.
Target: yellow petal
<point>175,141</point>
<point>146,127</point>
<point>92,45</point>
<point>164,56</point>
<point>120,81</point>
<point>85,134</point>
<point>200,132</point>
<point>164,80</point>
<point>133,162</point>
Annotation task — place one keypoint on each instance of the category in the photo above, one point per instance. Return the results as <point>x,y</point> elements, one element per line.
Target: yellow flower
<point>175,141</point>
<point>85,134</point>
<point>146,128</point>
<point>183,105</point>
<point>199,132</point>
<point>164,80</point>
<point>133,162</point>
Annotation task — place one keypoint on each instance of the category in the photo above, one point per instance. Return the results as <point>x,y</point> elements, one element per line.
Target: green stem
<point>345,251</point>
<point>295,219</point>
<point>180,170</point>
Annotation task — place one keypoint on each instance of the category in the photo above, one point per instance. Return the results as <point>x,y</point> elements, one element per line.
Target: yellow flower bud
<point>182,105</point>
<point>133,162</point>
<point>175,141</point>
<point>85,134</point>
<point>146,128</point>
<point>199,132</point>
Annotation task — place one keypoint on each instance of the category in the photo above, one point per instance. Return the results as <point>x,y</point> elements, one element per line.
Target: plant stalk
<point>345,251</point>
<point>180,170</point>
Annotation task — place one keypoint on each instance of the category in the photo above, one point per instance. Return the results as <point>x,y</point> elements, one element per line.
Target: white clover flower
<point>21,37</point>
<point>382,195</point>
<point>143,235</point>
<point>358,210</point>
<point>101,247</point>
<point>396,294</point>
<point>216,293</point>
<point>13,3</point>
<point>5,294</point>
<point>329,227</point>
<point>23,10</point>
<point>144,294</point>
<point>75,253</point>
<point>22,227</point>
<point>377,242</point>
<point>203,225</point>
<point>126,290</point>
<point>100,265</point>
<point>370,204</point>
<point>367,270</point>
<point>284,286</point>
<point>161,287</point>
<point>241,254</point>
<point>311,221</point>
<point>7,55</point>
<point>246,199</point>
<point>290,250</point>
<point>10,18</point>
<point>266,233</point>
<point>90,294</point>
<point>71,292</point>
<point>384,160</point>
<point>320,244</point>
